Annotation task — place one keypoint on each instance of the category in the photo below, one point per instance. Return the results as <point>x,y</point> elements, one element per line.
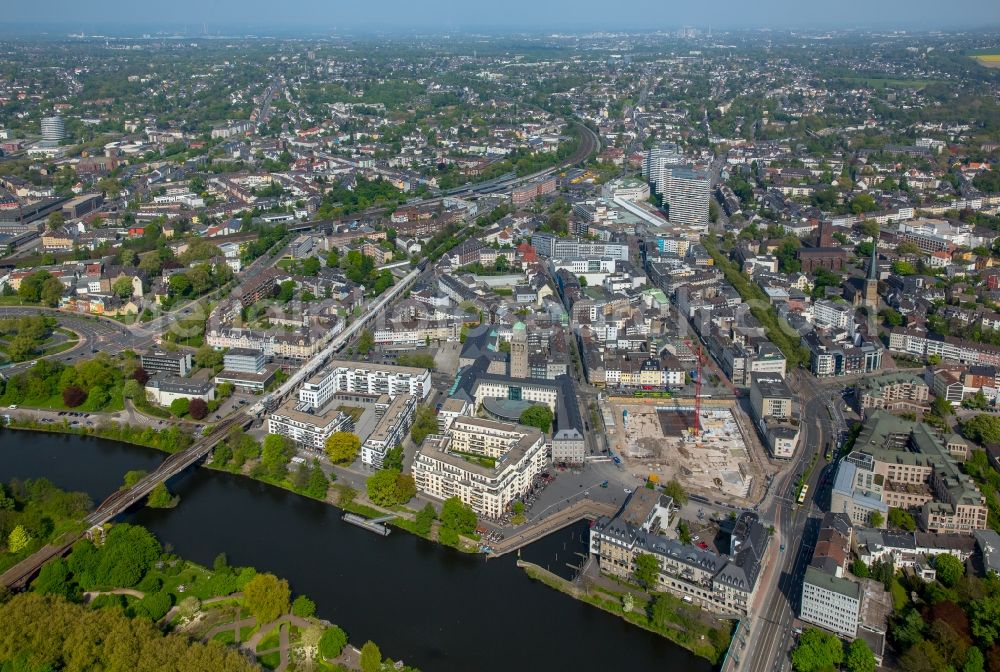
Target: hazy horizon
<point>317,16</point>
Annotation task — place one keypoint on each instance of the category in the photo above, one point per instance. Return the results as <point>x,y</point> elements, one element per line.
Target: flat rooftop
<point>324,418</point>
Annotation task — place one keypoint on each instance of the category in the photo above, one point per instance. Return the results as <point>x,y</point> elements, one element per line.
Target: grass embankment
<point>685,625</point>
<point>778,330</point>
<point>72,340</point>
<point>170,440</point>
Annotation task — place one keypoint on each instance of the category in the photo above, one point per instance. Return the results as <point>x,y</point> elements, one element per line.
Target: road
<point>795,526</point>
<point>96,335</point>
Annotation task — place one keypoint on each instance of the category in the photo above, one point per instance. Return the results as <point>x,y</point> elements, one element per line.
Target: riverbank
<point>687,632</point>
<point>672,619</point>
<point>348,571</point>
<point>343,497</point>
<point>235,607</point>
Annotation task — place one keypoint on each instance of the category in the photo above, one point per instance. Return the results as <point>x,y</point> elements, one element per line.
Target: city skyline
<point>312,16</point>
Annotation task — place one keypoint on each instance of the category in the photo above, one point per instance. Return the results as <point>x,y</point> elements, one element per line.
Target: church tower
<point>871,280</point>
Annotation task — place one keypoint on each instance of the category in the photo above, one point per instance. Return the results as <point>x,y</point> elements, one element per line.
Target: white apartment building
<point>832,314</point>
<point>686,192</point>
<point>831,602</point>
<point>452,409</point>
<point>341,376</point>
<point>518,455</point>
<point>310,430</point>
<point>419,332</point>
<point>390,430</point>
<point>529,391</point>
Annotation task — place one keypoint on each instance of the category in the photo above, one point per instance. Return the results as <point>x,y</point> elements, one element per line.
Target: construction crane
<point>696,429</point>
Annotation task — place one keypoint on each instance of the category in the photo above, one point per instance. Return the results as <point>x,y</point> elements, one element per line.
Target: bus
<point>802,493</point>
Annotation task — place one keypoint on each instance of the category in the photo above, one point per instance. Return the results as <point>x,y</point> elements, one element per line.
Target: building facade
<point>173,363</point>
<point>343,376</point>
<point>390,430</point>
<point>458,464</point>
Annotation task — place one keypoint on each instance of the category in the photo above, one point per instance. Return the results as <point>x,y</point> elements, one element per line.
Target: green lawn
<point>270,660</point>
<point>270,641</point>
<point>225,637</point>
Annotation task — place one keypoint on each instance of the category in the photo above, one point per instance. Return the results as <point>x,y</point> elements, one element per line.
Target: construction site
<point>711,450</point>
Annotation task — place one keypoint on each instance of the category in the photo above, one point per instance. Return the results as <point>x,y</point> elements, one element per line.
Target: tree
<point>73,396</point>
<point>901,519</point>
<point>876,519</point>
<point>318,484</point>
<point>286,291</point>
<point>52,291</point>
<point>365,342</point>
<point>424,424</point>
<point>18,539</point>
<point>180,406</point>
<point>381,487</point>
<point>457,516</point>
<point>54,579</point>
<point>160,497</point>
<point>859,568</point>
<point>941,407</point>
<point>303,607</point>
<point>974,661</point>
<point>266,597</point>
<point>343,447</point>
<point>908,629</point>
<point>276,454</point>
<point>198,409</point>
<point>332,642</point>
<point>859,657</point>
<point>394,458</point>
<point>870,228</point>
<point>661,610</point>
<point>949,569</point>
<point>676,491</point>
<point>56,220</point>
<point>628,602</point>
<point>424,521</point>
<point>984,619</point>
<point>892,317</point>
<point>132,477</point>
<point>406,488</point>
<point>647,570</point>
<point>127,554</point>
<point>208,357</point>
<point>47,632</point>
<point>299,477</point>
<point>371,657</point>
<point>948,643</point>
<point>154,606</point>
<point>132,390</point>
<point>922,657</point>
<point>816,651</point>
<point>537,416</point>
<point>180,284</point>
<point>123,287</point>
<point>983,429</point>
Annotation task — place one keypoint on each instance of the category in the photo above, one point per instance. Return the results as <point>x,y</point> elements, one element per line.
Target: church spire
<point>873,263</point>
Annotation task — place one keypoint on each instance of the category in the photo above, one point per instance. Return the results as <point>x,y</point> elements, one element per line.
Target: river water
<point>423,603</point>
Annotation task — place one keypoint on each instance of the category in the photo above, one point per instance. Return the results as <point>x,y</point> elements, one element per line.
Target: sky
<point>503,15</point>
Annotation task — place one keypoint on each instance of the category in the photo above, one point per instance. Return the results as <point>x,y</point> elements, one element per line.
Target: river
<point>428,605</point>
